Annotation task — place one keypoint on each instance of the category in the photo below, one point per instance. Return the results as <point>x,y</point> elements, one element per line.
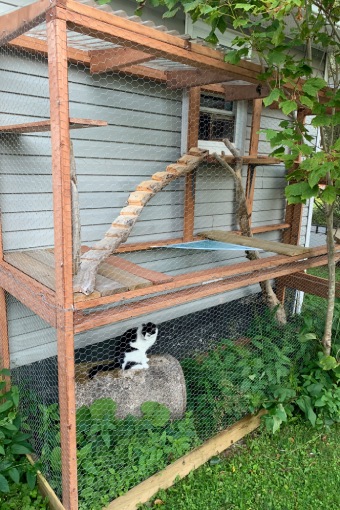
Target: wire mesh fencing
<point>174,339</point>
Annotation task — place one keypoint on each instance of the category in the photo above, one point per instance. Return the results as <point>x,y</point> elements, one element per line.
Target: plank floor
<point>114,275</point>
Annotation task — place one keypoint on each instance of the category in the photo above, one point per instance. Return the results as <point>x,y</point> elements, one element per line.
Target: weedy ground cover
<point>299,468</point>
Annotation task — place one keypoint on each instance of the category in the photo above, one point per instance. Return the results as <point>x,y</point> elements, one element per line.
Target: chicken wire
<point>222,349</point>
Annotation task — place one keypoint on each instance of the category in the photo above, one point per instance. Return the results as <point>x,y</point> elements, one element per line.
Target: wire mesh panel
<point>174,341</point>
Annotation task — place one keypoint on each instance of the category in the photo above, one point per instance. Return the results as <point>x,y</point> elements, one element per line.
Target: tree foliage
<point>287,37</point>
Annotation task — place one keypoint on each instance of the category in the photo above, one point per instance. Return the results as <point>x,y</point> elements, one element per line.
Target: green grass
<point>298,468</point>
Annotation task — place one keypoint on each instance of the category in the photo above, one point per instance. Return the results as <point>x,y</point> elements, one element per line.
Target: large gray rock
<point>162,382</point>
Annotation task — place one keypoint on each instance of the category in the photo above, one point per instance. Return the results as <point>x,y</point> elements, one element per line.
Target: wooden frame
<point>253,150</point>
<point>59,308</point>
<point>61,176</point>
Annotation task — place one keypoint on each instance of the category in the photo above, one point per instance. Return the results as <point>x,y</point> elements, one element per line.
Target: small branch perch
<point>121,227</point>
<point>243,220</point>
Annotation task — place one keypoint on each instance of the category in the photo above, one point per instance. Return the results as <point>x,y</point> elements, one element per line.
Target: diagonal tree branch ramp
<point>121,227</point>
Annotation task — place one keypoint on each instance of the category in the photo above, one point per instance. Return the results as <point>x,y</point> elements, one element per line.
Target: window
<point>217,121</point>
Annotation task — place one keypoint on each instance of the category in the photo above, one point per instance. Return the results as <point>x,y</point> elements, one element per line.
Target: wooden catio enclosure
<point>78,284</point>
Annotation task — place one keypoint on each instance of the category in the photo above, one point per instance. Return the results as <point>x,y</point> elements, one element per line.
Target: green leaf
<point>6,406</point>
<point>288,107</point>
<point>313,85</point>
<point>157,414</point>
<point>4,487</point>
<point>31,478</point>
<point>171,14</point>
<point>55,458</point>
<point>233,57</point>
<point>305,404</point>
<point>245,7</point>
<point>276,58</point>
<point>2,451</point>
<point>273,96</point>
<point>14,474</point>
<point>5,372</point>
<point>103,408</point>
<point>328,362</point>
<point>329,194</point>
<point>15,395</point>
<point>20,449</point>
<point>321,120</point>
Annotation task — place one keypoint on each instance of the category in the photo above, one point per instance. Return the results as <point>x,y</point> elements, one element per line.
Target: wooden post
<point>189,196</point>
<point>4,340</point>
<point>61,176</point>
<point>253,150</point>
<point>294,218</point>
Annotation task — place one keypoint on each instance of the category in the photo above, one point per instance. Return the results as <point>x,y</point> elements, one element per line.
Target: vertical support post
<point>253,150</point>
<point>294,218</point>
<point>62,206</point>
<point>4,340</point>
<point>189,194</point>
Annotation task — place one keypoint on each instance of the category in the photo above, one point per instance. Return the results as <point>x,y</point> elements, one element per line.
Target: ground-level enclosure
<point>111,165</point>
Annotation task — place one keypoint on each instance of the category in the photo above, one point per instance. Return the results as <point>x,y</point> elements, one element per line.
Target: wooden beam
<point>173,46</point>
<point>46,490</point>
<point>61,177</point>
<point>19,21</point>
<point>253,150</point>
<point>45,125</point>
<point>241,92</point>
<point>255,242</point>
<point>309,283</point>
<point>195,78</point>
<point>183,466</point>
<point>87,20</point>
<point>202,277</point>
<point>31,293</point>
<point>4,340</point>
<point>212,286</point>
<point>114,59</point>
<point>37,46</point>
<point>190,181</point>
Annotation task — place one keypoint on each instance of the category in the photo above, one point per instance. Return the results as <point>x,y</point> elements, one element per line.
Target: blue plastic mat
<point>209,246</point>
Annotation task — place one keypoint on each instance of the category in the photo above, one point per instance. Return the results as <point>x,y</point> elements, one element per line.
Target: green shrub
<point>14,443</point>
<point>114,455</point>
<point>23,497</point>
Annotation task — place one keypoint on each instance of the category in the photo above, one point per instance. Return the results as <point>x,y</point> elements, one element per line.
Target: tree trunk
<point>243,219</point>
<point>327,336</point>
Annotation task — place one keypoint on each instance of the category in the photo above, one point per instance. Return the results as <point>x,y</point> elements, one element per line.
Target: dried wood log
<point>243,220</point>
<point>120,230</point>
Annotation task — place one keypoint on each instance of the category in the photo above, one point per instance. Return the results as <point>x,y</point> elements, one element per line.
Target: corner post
<point>4,340</point>
<point>62,206</point>
<point>253,150</point>
<point>192,140</point>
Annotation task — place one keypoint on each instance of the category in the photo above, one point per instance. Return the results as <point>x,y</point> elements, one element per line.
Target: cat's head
<point>149,331</point>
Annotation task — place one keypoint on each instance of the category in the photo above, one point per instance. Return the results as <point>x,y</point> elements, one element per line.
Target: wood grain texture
<point>46,490</point>
<point>62,206</point>
<point>271,246</point>
<point>183,466</point>
<point>308,283</point>
<point>15,23</point>
<point>45,125</point>
<point>4,340</point>
<point>114,59</point>
<point>218,285</point>
<point>242,92</point>
<point>194,78</point>
<point>253,150</point>
<point>37,270</point>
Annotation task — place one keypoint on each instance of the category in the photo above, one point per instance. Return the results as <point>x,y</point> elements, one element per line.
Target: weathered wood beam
<point>241,92</point>
<point>308,283</point>
<point>173,46</point>
<point>255,242</point>
<point>253,150</point>
<point>35,45</point>
<point>62,209</point>
<point>85,20</point>
<point>114,59</point>
<point>45,125</point>
<point>194,78</point>
<point>85,321</point>
<point>190,179</point>
<point>19,21</point>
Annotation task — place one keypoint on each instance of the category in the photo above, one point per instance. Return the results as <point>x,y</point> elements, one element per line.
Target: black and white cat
<point>131,350</point>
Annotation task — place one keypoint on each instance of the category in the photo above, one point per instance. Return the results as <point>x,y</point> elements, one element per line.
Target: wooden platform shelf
<point>115,275</point>
<point>45,125</point>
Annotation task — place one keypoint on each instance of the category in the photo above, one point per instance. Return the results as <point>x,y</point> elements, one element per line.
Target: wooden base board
<point>46,490</point>
<point>183,466</point>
